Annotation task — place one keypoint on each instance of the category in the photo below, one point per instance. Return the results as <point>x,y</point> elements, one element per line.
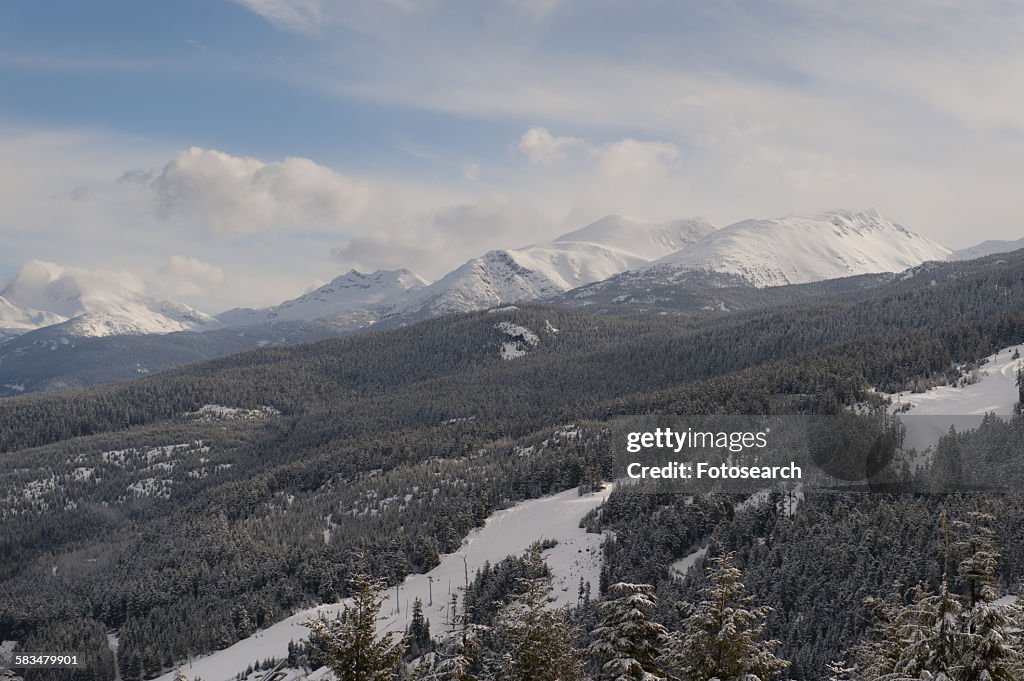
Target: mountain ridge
<point>86,302</point>
<point>802,249</point>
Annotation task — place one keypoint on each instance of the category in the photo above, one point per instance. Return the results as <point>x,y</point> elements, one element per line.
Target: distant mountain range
<point>90,303</point>
<point>59,325</point>
<point>987,248</point>
<point>352,300</point>
<point>593,253</point>
<point>799,250</point>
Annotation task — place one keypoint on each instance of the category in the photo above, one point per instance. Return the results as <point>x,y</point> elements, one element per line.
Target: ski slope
<point>933,412</point>
<point>507,532</point>
<point>995,391</point>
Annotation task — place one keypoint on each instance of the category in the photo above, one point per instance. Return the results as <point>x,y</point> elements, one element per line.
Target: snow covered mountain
<point>986,248</point>
<point>595,252</point>
<point>796,250</point>
<point>89,303</point>
<point>354,296</point>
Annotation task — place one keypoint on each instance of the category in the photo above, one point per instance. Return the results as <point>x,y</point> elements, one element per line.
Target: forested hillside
<point>139,508</point>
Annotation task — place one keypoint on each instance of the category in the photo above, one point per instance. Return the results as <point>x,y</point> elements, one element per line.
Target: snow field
<point>507,532</point>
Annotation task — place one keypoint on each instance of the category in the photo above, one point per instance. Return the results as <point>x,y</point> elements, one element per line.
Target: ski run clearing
<point>995,390</point>
<point>507,532</point>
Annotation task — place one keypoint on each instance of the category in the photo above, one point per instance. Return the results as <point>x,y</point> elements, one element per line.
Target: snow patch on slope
<point>350,292</point>
<point>507,532</point>
<point>522,340</point>
<point>995,390</point>
<point>683,565</point>
<point>217,412</point>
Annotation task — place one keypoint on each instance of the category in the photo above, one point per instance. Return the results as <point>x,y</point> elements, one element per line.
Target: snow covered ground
<point>801,249</point>
<point>683,565</point>
<point>995,391</point>
<point>932,413</point>
<point>507,532</point>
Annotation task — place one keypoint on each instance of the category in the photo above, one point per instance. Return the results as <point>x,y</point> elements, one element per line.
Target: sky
<point>241,152</point>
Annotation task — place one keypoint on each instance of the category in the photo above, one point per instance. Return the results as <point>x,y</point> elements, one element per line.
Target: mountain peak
<point>801,249</point>
<point>45,293</point>
<point>353,294</point>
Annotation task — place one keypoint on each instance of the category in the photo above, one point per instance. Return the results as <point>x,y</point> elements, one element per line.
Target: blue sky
<point>238,151</point>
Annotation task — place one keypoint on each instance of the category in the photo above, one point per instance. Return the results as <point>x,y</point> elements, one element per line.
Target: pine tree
<point>936,636</point>
<point>349,645</point>
<point>419,631</point>
<point>457,667</point>
<point>721,636</point>
<point>981,558</point>
<point>947,469</point>
<point>627,643</point>
<point>930,635</point>
<point>1020,387</point>
<point>993,649</point>
<point>541,642</point>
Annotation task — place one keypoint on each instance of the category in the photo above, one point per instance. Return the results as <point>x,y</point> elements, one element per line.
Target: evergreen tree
<point>721,636</point>
<point>627,644</point>
<point>977,544</point>
<point>930,636</point>
<point>418,633</point>
<point>1020,388</point>
<point>937,636</point>
<point>947,469</point>
<point>541,641</point>
<point>349,645</point>
<point>993,649</point>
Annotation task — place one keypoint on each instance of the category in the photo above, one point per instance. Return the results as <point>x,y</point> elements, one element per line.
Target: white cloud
<point>295,15</point>
<point>540,146</point>
<point>630,158</point>
<point>312,16</point>
<point>471,171</point>
<point>242,195</point>
<point>442,239</point>
<point>183,276</point>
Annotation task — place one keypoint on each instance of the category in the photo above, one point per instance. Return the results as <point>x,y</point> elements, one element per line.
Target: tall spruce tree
<point>976,637</point>
<point>418,633</point>
<point>628,644</point>
<point>1020,390</point>
<point>721,636</point>
<point>349,645</point>
<point>541,641</point>
<point>992,646</point>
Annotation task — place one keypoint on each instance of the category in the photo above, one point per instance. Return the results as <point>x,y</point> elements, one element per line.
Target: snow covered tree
<point>349,645</point>
<point>541,641</point>
<point>721,635</point>
<point>1020,388</point>
<point>981,558</point>
<point>628,644</point>
<point>993,649</point>
<point>929,636</point>
<point>947,468</point>
<point>434,667</point>
<point>937,636</point>
<point>839,671</point>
